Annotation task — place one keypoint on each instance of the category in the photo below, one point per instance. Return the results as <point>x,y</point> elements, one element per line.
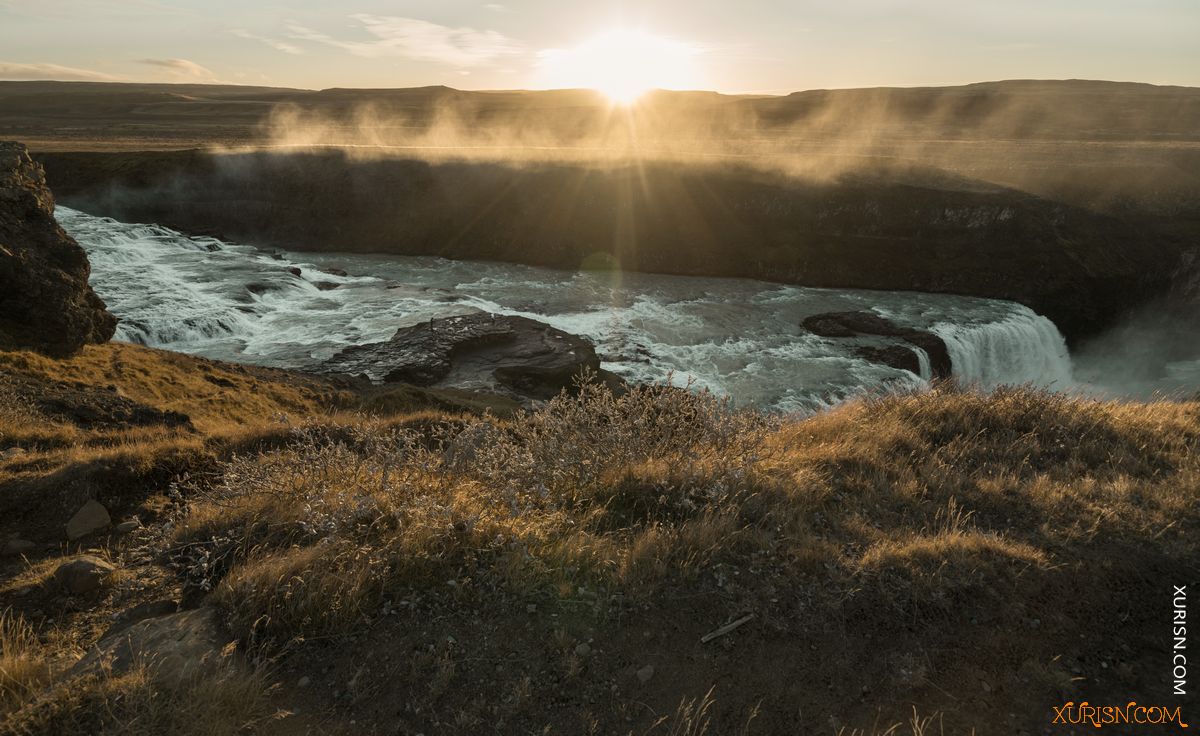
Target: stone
<point>12,452</point>
<point>141,612</point>
<point>17,546</point>
<point>125,527</point>
<point>583,649</point>
<point>89,519</point>
<point>862,323</point>
<point>175,648</point>
<point>896,356</point>
<point>645,673</point>
<point>482,351</point>
<point>295,271</point>
<point>46,303</point>
<point>326,285</point>
<point>304,681</point>
<point>83,575</point>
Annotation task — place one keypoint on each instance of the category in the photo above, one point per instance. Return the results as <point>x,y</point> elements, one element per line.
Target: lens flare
<point>622,64</point>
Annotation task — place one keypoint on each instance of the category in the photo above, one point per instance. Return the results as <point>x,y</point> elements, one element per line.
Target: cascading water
<point>925,367</point>
<point>734,336</point>
<point>1023,348</point>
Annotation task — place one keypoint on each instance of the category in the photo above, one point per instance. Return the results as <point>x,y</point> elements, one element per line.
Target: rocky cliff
<point>909,230</point>
<point>45,301</point>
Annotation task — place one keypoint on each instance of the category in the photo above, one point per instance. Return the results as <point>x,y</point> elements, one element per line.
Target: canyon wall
<point>922,232</point>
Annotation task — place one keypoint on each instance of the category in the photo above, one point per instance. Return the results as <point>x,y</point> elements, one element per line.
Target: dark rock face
<point>896,356</point>
<point>512,354</point>
<point>45,301</point>
<point>858,324</point>
<point>878,230</point>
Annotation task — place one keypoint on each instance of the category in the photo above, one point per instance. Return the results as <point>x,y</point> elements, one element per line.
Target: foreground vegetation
<point>409,563</point>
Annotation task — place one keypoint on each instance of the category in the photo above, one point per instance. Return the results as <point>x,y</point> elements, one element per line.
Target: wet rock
<point>895,356</point>
<point>175,647</point>
<point>507,354</point>
<point>859,324</point>
<point>335,271</point>
<point>326,285</point>
<point>83,575</point>
<point>89,519</point>
<point>293,270</point>
<point>45,301</point>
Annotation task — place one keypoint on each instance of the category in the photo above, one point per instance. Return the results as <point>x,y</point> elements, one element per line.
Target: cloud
<point>12,71</point>
<point>284,46</point>
<point>418,40</point>
<point>182,68</point>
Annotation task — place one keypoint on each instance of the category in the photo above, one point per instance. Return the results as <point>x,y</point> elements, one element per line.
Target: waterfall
<point>925,369</point>
<point>1022,348</point>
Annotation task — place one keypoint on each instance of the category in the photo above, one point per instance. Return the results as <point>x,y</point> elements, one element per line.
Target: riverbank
<point>983,558</point>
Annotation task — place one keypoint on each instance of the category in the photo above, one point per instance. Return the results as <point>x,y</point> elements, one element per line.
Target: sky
<point>767,46</point>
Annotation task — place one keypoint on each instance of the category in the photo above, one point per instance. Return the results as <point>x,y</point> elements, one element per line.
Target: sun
<point>623,64</point>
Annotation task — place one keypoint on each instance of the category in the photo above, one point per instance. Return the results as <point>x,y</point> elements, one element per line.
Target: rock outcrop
<point>84,575</point>
<point>512,355</point>
<point>174,648</point>
<point>45,301</point>
<point>859,324</point>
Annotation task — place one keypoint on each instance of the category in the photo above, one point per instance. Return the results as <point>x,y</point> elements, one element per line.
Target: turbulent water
<point>735,336</point>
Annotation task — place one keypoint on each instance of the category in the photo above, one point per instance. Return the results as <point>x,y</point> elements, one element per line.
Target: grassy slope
<point>982,557</point>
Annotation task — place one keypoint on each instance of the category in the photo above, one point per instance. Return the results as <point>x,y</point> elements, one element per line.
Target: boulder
<point>896,356</point>
<point>860,324</point>
<point>139,613</point>
<point>45,301</point>
<point>175,648</point>
<point>89,519</point>
<point>513,355</point>
<point>84,575</point>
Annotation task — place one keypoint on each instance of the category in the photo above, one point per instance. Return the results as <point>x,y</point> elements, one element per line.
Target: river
<point>737,337</point>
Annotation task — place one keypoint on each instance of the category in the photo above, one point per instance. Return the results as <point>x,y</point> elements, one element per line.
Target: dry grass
<point>924,500</point>
<point>214,395</point>
<point>932,542</point>
<point>24,668</point>
<point>135,704</point>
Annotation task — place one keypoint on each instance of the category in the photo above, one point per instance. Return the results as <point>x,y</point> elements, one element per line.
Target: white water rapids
<point>735,336</point>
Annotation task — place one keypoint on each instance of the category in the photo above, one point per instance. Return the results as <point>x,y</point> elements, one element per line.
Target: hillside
<point>981,559</point>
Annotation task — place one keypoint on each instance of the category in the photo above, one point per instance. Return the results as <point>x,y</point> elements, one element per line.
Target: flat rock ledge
<point>505,354</point>
<point>869,324</point>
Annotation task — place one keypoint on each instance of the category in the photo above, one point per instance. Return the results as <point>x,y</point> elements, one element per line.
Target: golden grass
<point>24,668</point>
<point>214,395</point>
<point>135,704</point>
<point>923,511</point>
<point>921,501</point>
